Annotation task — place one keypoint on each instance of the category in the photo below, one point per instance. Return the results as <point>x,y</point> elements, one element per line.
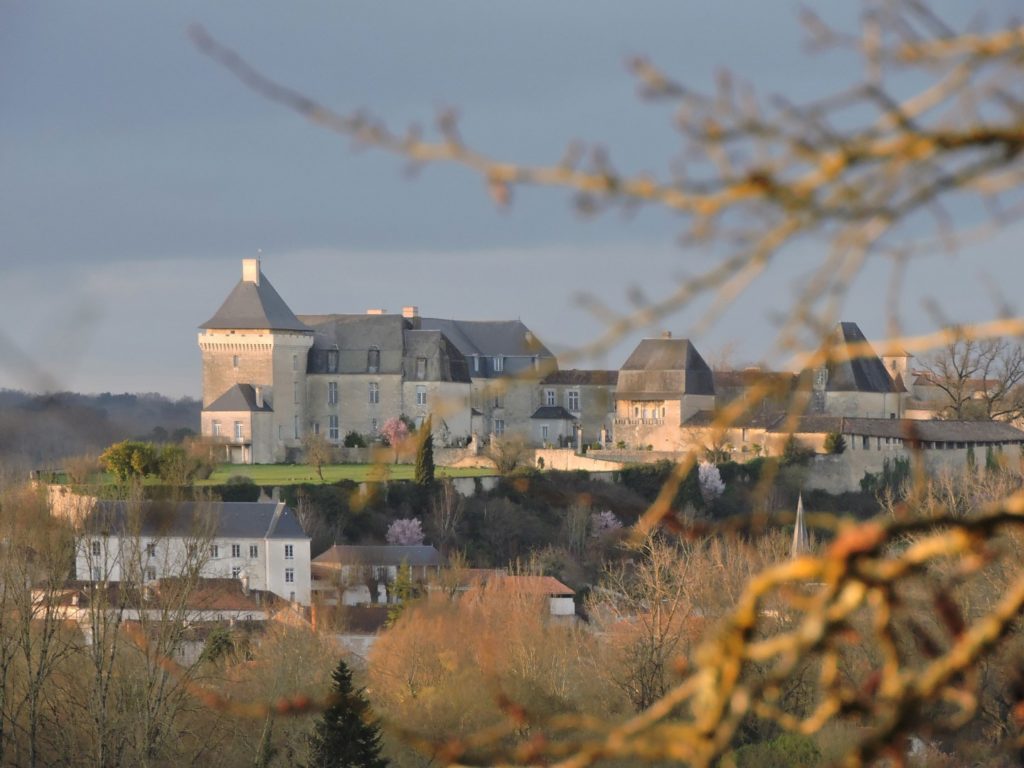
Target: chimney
<point>666,334</point>
<point>376,311</point>
<point>251,271</point>
<point>412,314</point>
<point>259,396</point>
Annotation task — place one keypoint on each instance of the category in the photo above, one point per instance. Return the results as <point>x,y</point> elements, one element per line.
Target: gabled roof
<point>383,554</point>
<point>577,377</point>
<point>553,412</point>
<point>864,373</point>
<point>488,337</point>
<point>187,519</point>
<point>254,306</point>
<point>240,397</point>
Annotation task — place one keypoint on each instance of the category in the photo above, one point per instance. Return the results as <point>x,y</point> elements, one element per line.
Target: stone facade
<point>271,377</point>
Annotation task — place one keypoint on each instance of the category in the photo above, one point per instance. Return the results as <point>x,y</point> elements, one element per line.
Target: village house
<point>261,545</point>
<point>349,574</point>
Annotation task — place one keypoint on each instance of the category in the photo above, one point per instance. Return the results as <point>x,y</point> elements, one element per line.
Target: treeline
<point>38,431</point>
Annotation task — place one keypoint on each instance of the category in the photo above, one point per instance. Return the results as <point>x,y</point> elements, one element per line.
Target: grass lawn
<point>284,474</point>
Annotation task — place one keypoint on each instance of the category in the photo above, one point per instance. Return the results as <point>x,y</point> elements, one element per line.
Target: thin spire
<point>801,540</point>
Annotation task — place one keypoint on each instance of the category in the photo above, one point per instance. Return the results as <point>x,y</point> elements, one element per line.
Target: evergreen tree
<point>346,736</point>
<point>425,456</point>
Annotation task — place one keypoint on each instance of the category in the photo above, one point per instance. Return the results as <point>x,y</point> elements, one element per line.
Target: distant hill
<point>39,430</point>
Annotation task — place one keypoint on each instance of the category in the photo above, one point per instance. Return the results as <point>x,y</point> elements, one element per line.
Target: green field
<point>285,474</point>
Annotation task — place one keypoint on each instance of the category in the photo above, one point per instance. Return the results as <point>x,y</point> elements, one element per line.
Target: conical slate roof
<point>863,373</point>
<point>254,305</point>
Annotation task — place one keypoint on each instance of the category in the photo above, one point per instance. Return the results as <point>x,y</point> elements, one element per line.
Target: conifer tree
<point>425,456</point>
<point>346,736</point>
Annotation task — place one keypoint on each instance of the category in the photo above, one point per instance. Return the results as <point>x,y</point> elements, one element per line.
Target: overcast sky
<point>135,174</point>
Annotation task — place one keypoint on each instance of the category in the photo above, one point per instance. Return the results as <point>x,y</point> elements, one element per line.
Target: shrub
<point>239,488</point>
<point>354,440</point>
<point>835,443</point>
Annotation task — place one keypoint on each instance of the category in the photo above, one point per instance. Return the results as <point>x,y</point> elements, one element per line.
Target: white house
<point>261,544</point>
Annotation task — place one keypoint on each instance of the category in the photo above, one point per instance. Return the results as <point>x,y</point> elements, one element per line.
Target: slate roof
<point>936,430</point>
<point>664,368</point>
<point>757,420</point>
<point>578,377</point>
<point>778,381</point>
<point>254,306</point>
<point>383,554</point>
<point>437,348</point>
<point>489,337</point>
<point>229,519</point>
<point>553,412</point>
<point>865,373</point>
<point>927,430</point>
<point>240,397</point>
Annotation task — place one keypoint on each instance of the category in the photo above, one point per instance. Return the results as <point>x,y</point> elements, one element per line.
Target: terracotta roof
<point>579,377</point>
<point>538,585</point>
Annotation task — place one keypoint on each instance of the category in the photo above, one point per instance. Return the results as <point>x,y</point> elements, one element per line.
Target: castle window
<point>234,361</point>
<point>499,401</point>
<point>332,393</point>
<point>289,576</point>
<point>544,432</point>
<point>150,573</point>
<point>97,548</point>
<point>295,362</point>
<point>374,393</point>
<point>421,368</point>
<point>238,430</point>
<point>476,363</point>
<point>499,364</point>
<point>289,551</point>
<point>332,361</point>
<point>332,427</point>
<point>421,395</point>
<point>216,428</point>
<point>373,360</point>
<point>151,550</point>
<point>316,427</point>
<point>295,426</point>
<point>549,397</point>
<point>373,426</point>
<point>573,400</point>
<point>254,550</point>
<point>236,572</point>
<point>236,550</point>
<point>295,392</point>
<point>214,551</point>
<point>499,427</point>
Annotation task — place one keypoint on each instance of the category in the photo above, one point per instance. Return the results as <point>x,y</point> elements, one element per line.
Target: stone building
<point>575,399</point>
<point>662,384</point>
<point>270,377</point>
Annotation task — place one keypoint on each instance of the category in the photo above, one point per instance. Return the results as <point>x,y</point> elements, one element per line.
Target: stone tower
<point>254,371</point>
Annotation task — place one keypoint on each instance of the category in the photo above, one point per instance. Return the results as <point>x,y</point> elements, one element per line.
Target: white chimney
<point>410,312</point>
<point>251,271</point>
<point>666,334</point>
<point>377,311</point>
<point>259,396</point>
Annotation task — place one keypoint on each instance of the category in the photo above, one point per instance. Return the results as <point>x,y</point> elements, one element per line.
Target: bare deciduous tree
<point>979,378</point>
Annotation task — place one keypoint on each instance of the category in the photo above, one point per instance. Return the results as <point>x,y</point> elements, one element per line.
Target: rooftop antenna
<point>801,541</point>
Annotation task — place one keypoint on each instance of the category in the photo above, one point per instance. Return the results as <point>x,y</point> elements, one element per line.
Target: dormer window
<point>421,368</point>
<point>499,364</point>
<point>373,360</point>
<point>332,361</point>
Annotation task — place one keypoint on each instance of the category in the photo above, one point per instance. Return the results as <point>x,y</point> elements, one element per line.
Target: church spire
<point>801,540</point>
